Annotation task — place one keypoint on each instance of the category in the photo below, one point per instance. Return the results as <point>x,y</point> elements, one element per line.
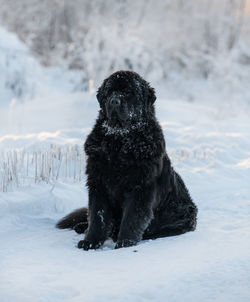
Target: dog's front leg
<point>99,221</point>
<point>137,214</point>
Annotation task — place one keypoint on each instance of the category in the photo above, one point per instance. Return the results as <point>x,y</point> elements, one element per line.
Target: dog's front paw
<point>87,245</point>
<point>125,243</point>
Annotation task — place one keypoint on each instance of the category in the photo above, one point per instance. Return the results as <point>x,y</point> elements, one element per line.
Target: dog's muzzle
<point>113,106</point>
<point>114,110</point>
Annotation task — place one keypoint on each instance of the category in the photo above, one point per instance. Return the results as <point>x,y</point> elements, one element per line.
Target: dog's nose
<point>115,102</point>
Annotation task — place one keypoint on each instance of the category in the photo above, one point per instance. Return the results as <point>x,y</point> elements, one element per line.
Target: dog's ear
<point>151,95</point>
<point>101,92</point>
<point>99,95</point>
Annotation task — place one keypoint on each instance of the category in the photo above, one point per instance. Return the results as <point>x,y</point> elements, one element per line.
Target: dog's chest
<point>115,162</point>
<point>113,149</point>
<point>118,164</point>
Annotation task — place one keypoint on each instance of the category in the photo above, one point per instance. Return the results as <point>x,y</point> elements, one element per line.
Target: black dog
<point>134,193</point>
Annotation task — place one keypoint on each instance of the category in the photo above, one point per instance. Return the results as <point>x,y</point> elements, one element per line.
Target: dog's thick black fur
<point>134,193</point>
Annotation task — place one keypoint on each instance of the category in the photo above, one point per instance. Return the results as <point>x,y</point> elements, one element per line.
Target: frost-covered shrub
<point>25,167</point>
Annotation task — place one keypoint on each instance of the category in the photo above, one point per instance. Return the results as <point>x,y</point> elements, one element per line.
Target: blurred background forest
<point>158,39</point>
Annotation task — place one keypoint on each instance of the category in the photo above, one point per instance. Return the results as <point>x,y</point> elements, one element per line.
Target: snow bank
<point>23,78</point>
<point>39,262</point>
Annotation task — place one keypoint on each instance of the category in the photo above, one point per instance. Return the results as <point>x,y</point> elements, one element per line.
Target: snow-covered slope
<point>24,84</point>
<point>208,141</point>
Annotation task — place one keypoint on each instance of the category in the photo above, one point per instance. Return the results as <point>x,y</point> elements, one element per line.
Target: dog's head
<point>125,98</point>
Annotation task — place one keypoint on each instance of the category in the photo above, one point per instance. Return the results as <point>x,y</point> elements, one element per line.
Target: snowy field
<point>208,140</point>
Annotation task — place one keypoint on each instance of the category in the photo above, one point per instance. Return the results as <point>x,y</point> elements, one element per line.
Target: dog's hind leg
<point>179,228</point>
<point>164,227</point>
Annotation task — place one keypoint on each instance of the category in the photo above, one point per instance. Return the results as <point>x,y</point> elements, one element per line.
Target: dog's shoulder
<point>92,145</point>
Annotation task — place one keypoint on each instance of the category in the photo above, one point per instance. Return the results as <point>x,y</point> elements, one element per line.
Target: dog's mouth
<point>116,120</point>
<point>114,125</point>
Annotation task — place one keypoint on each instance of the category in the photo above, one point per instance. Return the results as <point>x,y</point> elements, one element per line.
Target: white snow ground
<point>209,143</point>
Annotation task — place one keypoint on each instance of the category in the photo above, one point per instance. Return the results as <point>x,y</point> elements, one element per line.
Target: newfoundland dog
<point>134,192</point>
